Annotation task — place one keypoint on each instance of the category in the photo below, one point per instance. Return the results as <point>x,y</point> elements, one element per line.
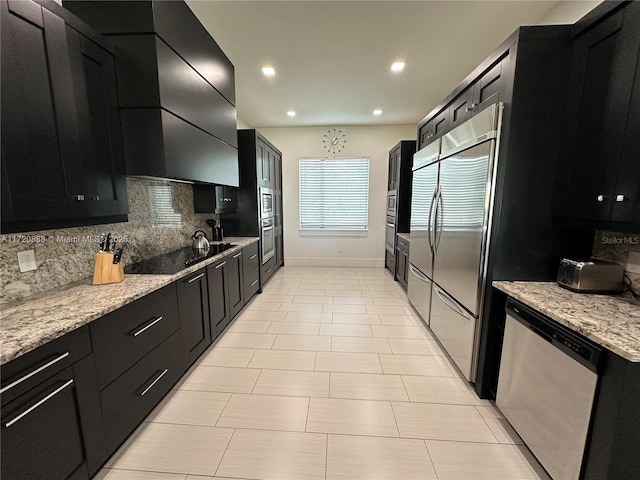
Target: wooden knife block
<point>105,271</point>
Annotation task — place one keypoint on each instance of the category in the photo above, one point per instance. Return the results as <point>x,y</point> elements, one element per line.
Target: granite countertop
<point>405,236</point>
<point>33,321</point>
<point>611,321</point>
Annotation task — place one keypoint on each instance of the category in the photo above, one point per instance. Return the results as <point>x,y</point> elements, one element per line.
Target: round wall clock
<point>334,140</point>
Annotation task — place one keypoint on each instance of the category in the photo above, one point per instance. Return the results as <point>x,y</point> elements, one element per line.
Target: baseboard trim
<point>335,262</point>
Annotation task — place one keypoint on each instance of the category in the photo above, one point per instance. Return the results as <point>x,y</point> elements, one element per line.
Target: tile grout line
<point>225,452</point>
<point>433,464</point>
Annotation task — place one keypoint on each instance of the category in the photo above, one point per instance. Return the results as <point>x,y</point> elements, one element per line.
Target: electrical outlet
<point>339,248</point>
<point>633,263</point>
<point>27,260</point>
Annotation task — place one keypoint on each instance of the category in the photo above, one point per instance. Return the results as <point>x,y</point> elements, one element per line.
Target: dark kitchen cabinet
<point>434,128</point>
<point>400,177</point>
<point>59,119</point>
<point>218,291</point>
<point>176,91</point>
<point>193,303</point>
<point>251,271</point>
<point>214,199</point>
<point>488,84</point>
<point>131,397</point>
<point>257,173</point>
<point>402,262</point>
<point>236,283</point>
<point>124,336</point>
<point>598,176</point>
<point>266,158</point>
<point>51,421</point>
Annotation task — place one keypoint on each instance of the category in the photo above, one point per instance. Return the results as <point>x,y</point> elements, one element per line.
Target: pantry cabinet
<point>60,119</point>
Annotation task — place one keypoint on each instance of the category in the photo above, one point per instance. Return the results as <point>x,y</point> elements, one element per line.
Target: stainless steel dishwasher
<point>548,379</point>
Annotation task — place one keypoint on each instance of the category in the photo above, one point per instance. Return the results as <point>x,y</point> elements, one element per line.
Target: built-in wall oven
<point>267,239</point>
<point>390,235</point>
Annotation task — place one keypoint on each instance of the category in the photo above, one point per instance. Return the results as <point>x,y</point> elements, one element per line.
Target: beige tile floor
<point>326,375</point>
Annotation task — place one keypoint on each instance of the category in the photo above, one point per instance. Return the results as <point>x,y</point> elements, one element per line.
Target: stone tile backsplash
<point>616,246</point>
<point>161,219</point>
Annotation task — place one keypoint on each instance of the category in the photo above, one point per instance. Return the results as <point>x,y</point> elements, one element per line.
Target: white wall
<point>373,142</point>
<point>568,12</point>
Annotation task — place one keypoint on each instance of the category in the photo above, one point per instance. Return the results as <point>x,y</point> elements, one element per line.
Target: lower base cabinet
<point>236,284</point>
<point>401,266</point>
<point>51,422</point>
<point>193,307</point>
<point>94,386</point>
<point>133,395</point>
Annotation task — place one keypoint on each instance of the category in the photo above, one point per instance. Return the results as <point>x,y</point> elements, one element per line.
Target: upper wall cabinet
<point>598,180</point>
<point>176,90</point>
<point>62,155</point>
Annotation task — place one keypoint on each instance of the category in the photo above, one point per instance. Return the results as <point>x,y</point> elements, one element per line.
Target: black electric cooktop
<point>173,262</point>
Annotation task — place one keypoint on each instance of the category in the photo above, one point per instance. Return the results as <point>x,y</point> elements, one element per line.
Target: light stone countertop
<point>611,321</point>
<point>33,321</point>
<point>405,236</point>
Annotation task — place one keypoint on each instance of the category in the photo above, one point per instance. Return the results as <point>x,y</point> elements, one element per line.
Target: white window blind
<point>334,194</point>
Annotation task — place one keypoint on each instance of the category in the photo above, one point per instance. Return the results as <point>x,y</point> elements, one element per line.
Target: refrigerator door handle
<point>451,304</point>
<point>437,236</point>
<point>419,274</point>
<point>430,224</point>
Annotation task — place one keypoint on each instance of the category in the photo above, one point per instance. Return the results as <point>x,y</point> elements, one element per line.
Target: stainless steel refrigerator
<point>451,210</point>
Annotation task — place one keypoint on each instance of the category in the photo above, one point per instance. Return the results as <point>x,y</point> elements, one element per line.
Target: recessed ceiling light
<point>397,66</point>
<point>269,71</point>
<point>377,111</point>
<point>291,113</point>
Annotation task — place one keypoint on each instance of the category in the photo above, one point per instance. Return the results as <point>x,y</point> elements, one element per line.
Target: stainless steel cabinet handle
<point>237,255</point>
<point>600,198</point>
<point>253,283</point>
<point>79,198</point>
<point>418,274</point>
<point>162,374</point>
<point>195,278</point>
<point>38,404</point>
<point>620,198</point>
<point>253,256</point>
<point>449,303</point>
<point>146,327</point>
<point>221,265</point>
<point>35,372</point>
<point>95,197</point>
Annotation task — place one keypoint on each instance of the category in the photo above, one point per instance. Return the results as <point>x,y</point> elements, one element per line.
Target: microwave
<point>392,202</point>
<point>266,203</point>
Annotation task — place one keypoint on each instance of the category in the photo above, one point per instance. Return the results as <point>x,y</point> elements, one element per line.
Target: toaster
<point>591,276</point>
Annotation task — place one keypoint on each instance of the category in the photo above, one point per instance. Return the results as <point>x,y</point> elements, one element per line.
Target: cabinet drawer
<point>42,436</point>
<point>30,369</point>
<point>251,257</point>
<point>268,269</point>
<point>132,396</point>
<point>251,284</point>
<point>122,337</point>
<point>390,261</point>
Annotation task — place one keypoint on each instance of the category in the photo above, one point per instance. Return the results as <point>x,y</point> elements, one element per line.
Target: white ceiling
<point>333,58</point>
